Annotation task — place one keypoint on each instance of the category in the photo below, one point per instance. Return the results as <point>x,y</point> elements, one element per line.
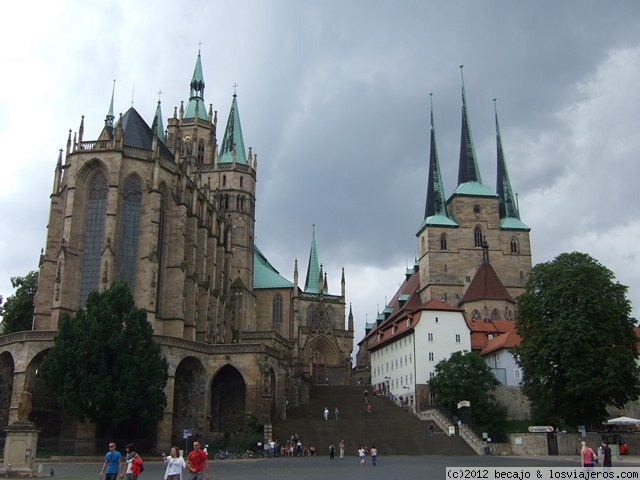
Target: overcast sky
<point>334,98</point>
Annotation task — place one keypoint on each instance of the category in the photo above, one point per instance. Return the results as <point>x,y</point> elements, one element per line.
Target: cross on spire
<point>235,89</point>
<point>159,95</point>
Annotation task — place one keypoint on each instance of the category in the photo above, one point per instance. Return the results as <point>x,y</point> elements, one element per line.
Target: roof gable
<point>486,285</point>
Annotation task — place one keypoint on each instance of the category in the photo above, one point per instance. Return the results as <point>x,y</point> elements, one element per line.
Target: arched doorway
<point>228,403</point>
<point>188,399</point>
<point>45,412</point>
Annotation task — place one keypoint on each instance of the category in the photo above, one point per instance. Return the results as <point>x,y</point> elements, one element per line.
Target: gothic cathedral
<point>171,212</point>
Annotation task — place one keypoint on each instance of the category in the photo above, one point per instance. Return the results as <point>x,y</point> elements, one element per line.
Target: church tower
<point>457,236</point>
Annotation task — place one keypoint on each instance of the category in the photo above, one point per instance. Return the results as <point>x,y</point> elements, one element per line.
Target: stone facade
<point>172,213</point>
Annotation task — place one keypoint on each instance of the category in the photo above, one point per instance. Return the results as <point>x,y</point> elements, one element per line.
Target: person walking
<point>606,455</point>
<point>175,464</point>
<point>341,447</point>
<point>111,463</point>
<point>332,452</point>
<point>326,413</point>
<point>430,429</point>
<point>587,456</point>
<point>336,413</point>
<point>369,408</point>
<point>197,463</point>
<point>361,454</point>
<point>374,455</point>
<point>133,463</point>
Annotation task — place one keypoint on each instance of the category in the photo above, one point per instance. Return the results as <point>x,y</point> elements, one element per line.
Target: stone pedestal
<point>20,449</point>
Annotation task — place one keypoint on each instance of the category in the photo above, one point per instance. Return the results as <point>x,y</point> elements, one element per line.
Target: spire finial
<point>133,93</point>
<point>235,89</point>
<point>199,47</point>
<point>159,95</point>
<point>108,121</point>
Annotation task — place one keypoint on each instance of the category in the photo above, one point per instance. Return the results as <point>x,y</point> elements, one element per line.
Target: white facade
<point>504,367</point>
<point>405,353</point>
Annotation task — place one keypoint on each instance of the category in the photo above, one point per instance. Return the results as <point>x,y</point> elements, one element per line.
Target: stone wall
<point>518,406</point>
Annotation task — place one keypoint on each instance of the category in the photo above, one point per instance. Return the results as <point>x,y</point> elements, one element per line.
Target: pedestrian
<point>336,413</point>
<point>197,463</point>
<point>361,454</point>
<point>606,455</point>
<point>175,464</point>
<point>326,413</point>
<point>374,455</point>
<point>587,456</point>
<point>341,447</point>
<point>366,400</point>
<point>133,463</point>
<point>332,452</point>
<point>111,463</point>
<point>431,429</point>
<point>369,408</point>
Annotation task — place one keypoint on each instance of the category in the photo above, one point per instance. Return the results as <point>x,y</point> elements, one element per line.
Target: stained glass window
<point>93,236</point>
<point>128,232</point>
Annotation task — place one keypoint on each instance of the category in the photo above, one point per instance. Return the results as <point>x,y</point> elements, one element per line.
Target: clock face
<point>186,138</point>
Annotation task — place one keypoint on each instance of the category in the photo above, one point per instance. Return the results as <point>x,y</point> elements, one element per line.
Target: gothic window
<point>424,247</point>
<point>128,231</point>
<point>477,237</point>
<point>240,182</point>
<point>96,208</point>
<point>476,315</point>
<point>508,314</point>
<point>276,309</point>
<point>514,245</point>
<point>161,245</point>
<point>311,315</point>
<point>443,241</point>
<point>495,314</point>
<point>224,180</point>
<point>201,152</point>
<point>226,202</point>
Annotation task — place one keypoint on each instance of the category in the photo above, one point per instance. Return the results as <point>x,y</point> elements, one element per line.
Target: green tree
<point>466,376</point>
<point>578,345</point>
<point>105,364</point>
<point>17,311</point>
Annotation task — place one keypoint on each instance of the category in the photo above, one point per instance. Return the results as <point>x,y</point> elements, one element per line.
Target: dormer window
<point>408,322</point>
<point>393,330</point>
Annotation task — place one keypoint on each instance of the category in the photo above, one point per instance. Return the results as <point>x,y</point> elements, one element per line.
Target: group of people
<point>336,413</point>
<point>131,465</point>
<point>372,452</point>
<point>588,458</point>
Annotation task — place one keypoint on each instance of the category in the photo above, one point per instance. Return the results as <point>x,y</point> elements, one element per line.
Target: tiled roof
<point>486,286</point>
<point>481,329</point>
<point>264,275</point>
<point>137,133</point>
<point>506,340</point>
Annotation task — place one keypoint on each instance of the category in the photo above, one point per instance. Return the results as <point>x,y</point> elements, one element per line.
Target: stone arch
<point>7,370</point>
<point>323,358</point>
<point>189,393</point>
<point>45,411</point>
<point>228,403</point>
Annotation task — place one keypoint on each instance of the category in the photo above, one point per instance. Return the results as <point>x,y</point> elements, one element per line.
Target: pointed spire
<point>468,170</point>
<point>196,107</point>
<point>232,146</point>
<point>350,326</point>
<point>436,203</point>
<point>507,206</point>
<point>312,282</point>
<point>108,120</point>
<point>157,125</point>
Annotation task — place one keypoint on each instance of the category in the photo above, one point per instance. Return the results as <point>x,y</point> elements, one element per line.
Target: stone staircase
<point>393,430</point>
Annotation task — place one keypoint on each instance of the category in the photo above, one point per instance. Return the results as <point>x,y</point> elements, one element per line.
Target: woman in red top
<point>586,456</point>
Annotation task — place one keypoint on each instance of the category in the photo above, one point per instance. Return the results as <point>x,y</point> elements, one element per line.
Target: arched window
<point>424,244</point>
<point>201,152</point>
<point>477,237</point>
<point>128,231</point>
<point>96,208</point>
<point>276,309</point>
<point>161,245</point>
<point>514,245</point>
<point>224,180</point>
<point>443,241</point>
<point>476,315</point>
<point>495,314</point>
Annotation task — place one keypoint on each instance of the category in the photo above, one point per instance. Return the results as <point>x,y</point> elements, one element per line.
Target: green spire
<point>196,99</point>
<point>157,126</point>
<point>312,283</point>
<point>233,138</point>
<point>468,170</point>
<point>507,206</point>
<point>109,119</point>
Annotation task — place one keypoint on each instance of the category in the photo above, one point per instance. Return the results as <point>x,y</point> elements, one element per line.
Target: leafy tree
<point>578,350</point>
<point>105,364</point>
<point>466,376</point>
<point>17,311</point>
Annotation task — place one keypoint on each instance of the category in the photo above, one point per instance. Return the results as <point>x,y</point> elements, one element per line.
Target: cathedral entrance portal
<point>228,400</point>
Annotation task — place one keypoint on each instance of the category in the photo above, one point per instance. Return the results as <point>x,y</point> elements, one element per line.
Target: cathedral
<point>171,212</point>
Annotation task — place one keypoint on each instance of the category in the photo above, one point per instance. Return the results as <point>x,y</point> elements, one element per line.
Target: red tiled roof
<point>506,340</point>
<point>486,285</point>
<point>480,330</point>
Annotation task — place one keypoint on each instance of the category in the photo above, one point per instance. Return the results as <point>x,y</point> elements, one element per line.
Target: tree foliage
<point>466,376</point>
<point>578,350</point>
<point>105,364</point>
<point>17,311</point>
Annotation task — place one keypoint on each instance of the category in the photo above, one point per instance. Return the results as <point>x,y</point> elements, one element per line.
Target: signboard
<point>540,429</point>
<point>464,403</point>
<point>187,432</point>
